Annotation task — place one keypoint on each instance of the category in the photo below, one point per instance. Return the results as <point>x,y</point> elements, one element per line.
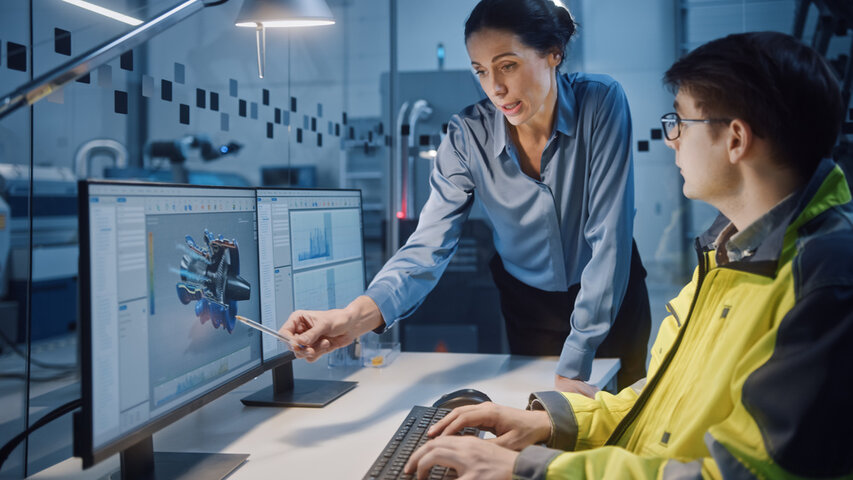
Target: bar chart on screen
<point>318,236</point>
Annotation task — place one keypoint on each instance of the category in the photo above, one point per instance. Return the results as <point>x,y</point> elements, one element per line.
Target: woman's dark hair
<point>783,89</point>
<point>540,24</point>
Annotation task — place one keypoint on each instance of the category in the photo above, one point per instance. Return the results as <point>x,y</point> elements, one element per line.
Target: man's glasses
<point>672,123</point>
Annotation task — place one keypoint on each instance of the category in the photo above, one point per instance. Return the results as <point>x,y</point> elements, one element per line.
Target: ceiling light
<point>105,12</point>
<point>263,14</point>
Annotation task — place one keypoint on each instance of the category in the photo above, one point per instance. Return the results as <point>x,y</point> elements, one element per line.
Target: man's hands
<point>474,458</point>
<point>323,331</point>
<point>571,385</point>
<point>471,457</point>
<point>513,428</point>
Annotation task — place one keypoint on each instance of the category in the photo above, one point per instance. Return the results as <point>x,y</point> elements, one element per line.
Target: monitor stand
<point>287,392</point>
<point>141,462</point>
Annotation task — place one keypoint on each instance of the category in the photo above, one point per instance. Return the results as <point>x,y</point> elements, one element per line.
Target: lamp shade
<point>284,13</point>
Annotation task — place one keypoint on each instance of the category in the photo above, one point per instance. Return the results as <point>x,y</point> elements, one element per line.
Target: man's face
<point>701,154</point>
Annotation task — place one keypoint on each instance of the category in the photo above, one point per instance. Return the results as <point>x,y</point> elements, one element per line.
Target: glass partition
<point>187,105</point>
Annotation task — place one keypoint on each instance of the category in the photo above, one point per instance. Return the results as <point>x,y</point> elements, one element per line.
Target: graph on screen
<point>324,236</point>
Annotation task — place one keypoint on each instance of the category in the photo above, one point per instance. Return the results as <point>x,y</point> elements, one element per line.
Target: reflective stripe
<point>564,425</point>
<point>638,385</point>
<point>675,470</point>
<point>532,463</point>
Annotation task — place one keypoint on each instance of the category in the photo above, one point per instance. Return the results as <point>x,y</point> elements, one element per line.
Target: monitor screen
<point>167,269</point>
<point>311,254</point>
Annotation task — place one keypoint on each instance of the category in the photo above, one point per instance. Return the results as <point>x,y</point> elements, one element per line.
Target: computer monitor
<point>311,258</point>
<point>164,271</point>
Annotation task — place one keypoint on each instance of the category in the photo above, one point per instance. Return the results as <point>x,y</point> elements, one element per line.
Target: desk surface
<point>342,439</point>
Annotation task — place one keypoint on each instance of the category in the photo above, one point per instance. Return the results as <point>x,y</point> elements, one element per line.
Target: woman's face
<point>518,79</point>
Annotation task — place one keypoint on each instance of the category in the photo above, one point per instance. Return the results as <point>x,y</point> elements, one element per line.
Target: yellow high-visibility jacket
<point>751,374</point>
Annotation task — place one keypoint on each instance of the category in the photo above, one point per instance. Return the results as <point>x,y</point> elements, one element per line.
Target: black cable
<point>213,4</point>
<point>10,446</point>
<point>55,366</point>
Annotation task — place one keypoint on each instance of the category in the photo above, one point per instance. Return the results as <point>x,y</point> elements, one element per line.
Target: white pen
<point>291,342</point>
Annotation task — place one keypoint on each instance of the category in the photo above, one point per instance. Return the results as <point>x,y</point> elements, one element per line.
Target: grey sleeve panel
<point>532,463</point>
<point>564,425</point>
<point>675,470</point>
<point>729,466</point>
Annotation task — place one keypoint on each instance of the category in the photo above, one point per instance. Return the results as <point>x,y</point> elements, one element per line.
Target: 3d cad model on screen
<point>211,276</point>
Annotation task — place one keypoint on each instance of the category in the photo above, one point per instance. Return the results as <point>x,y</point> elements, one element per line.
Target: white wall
<point>422,25</point>
<point>635,42</point>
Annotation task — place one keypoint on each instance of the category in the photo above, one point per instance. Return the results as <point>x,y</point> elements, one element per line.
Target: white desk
<point>342,439</point>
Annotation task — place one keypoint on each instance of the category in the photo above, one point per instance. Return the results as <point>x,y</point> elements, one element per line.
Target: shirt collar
<point>745,243</point>
<point>567,115</point>
<point>733,245</point>
<point>567,107</point>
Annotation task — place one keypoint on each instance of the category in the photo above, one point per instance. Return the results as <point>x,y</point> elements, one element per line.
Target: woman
<point>548,157</point>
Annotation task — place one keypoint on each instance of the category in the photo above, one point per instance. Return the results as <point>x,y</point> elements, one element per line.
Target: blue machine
<point>54,250</point>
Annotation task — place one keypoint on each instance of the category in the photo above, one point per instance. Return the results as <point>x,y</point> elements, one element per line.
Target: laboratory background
<point>359,104</point>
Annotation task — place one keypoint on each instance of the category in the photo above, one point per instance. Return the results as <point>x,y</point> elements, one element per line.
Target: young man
<point>750,374</point>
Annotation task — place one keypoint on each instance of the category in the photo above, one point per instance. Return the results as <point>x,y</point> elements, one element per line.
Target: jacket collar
<point>822,191</point>
<point>567,116</point>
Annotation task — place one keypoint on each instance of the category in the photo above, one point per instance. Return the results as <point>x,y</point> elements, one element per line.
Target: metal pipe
<point>393,230</point>
<point>421,110</point>
<point>397,176</point>
<point>45,84</point>
<point>82,164</point>
<point>261,39</point>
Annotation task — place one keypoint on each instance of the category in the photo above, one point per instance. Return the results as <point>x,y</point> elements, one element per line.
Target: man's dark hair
<point>783,89</point>
<point>540,24</point>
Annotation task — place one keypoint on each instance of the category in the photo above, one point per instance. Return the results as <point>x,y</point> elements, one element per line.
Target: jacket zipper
<point>647,391</point>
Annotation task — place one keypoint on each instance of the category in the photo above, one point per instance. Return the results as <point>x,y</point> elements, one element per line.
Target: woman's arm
<point>608,230</point>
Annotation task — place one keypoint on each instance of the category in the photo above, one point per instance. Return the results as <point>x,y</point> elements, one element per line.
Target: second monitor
<point>311,258</point>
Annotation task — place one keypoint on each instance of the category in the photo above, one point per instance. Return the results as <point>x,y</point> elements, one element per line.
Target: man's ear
<point>740,140</point>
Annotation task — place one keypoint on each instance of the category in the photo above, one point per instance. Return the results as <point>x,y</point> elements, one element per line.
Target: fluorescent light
<point>288,23</point>
<point>104,11</point>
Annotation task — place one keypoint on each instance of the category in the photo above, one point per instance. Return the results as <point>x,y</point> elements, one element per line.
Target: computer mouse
<point>459,398</point>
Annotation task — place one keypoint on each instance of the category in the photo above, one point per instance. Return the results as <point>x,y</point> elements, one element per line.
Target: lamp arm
<point>38,88</point>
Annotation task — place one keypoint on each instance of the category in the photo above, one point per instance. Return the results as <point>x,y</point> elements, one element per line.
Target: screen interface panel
<point>311,255</point>
<point>170,267</point>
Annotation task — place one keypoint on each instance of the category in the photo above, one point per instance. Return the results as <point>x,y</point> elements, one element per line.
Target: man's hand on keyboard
<point>513,428</point>
<point>471,457</point>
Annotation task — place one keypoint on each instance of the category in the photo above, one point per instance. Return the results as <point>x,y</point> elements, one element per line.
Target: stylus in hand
<point>290,341</point>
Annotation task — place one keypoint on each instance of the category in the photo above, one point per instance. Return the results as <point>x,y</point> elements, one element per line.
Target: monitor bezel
<point>84,447</point>
<point>284,358</point>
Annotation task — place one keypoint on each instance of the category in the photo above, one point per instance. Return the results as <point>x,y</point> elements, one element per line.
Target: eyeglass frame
<point>679,121</point>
